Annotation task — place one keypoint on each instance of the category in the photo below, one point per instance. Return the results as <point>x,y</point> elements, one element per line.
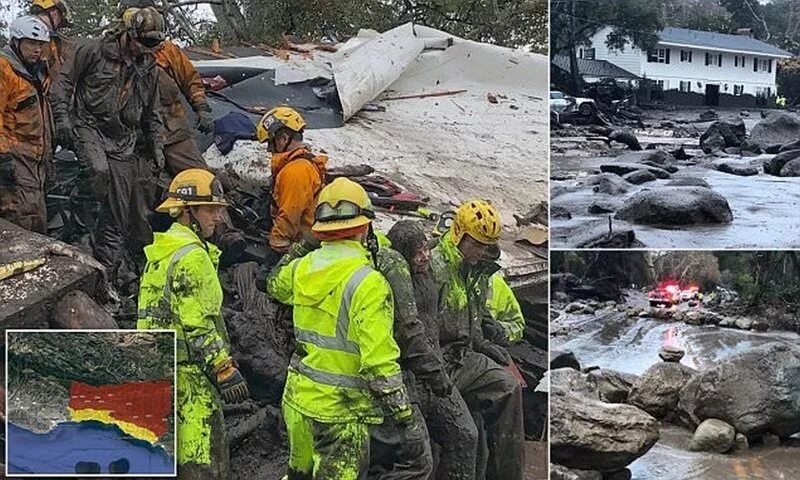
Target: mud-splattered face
<point>208,216</point>
<point>31,50</point>
<point>421,259</point>
<point>473,250</point>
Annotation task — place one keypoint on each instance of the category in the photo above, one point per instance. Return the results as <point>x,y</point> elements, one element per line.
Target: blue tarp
<point>72,447</point>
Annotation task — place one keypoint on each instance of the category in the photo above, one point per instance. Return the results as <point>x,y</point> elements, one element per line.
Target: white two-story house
<point>692,61</point>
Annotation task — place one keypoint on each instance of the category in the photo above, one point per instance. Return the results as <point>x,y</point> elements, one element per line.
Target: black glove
<point>65,134</point>
<point>7,176</point>
<point>232,384</point>
<point>495,352</point>
<point>493,331</point>
<point>205,122</point>
<point>440,384</point>
<point>261,278</point>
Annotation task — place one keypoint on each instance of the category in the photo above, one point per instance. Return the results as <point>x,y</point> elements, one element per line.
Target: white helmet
<point>29,27</point>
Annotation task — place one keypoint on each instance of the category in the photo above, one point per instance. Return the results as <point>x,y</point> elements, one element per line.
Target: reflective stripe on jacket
<point>343,323</point>
<point>504,307</point>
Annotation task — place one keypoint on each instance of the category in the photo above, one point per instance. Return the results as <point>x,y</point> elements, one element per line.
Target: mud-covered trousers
<point>494,396</point>
<point>400,452</point>
<point>325,451</point>
<point>202,443</point>
<point>107,177</point>
<point>22,203</point>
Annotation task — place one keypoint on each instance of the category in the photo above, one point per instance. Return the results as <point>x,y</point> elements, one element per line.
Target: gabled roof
<point>593,68</point>
<point>719,41</point>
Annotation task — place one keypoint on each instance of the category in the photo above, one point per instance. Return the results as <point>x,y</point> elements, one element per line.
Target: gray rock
<point>671,353</point>
<point>624,474</point>
<point>657,389</point>
<point>560,472</point>
<point>713,436</point>
<point>737,168</point>
<point>625,168</point>
<point>608,183</point>
<point>658,158</point>
<point>774,165</point>
<point>575,307</point>
<point>676,206</point>
<point>605,206</point>
<point>639,177</point>
<point>743,323</point>
<point>563,359</point>
<point>613,386</point>
<point>755,391</point>
<point>791,169</point>
<point>625,137</point>
<point>733,150</point>
<point>777,127</point>
<point>589,434</point>
<point>759,326</point>
<point>722,134</point>
<point>574,381</point>
<point>741,442</point>
<point>557,211</point>
<point>786,147</point>
<point>687,182</point>
<point>771,440</point>
<point>77,310</point>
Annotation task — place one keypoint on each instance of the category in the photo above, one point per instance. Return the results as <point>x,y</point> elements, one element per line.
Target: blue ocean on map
<point>84,447</point>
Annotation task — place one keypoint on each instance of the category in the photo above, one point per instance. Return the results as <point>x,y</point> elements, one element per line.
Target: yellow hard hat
<point>146,25</point>
<point>276,119</point>
<point>194,186</point>
<point>343,204</point>
<point>479,219</point>
<point>62,6</point>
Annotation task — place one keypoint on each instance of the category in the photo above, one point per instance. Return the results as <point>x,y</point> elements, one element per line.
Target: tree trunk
<point>231,21</point>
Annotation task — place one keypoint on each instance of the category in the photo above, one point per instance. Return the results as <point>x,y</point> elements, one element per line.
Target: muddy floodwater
<point>614,341</point>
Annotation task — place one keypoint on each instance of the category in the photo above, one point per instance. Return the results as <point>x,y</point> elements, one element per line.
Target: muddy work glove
<point>7,176</point>
<point>440,384</point>
<point>64,134</point>
<point>231,382</point>
<point>205,121</point>
<point>393,398</point>
<point>495,352</point>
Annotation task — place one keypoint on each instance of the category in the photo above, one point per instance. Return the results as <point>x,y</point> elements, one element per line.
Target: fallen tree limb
<point>426,95</point>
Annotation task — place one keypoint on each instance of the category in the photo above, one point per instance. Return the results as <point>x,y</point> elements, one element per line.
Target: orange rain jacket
<point>177,78</point>
<point>297,178</point>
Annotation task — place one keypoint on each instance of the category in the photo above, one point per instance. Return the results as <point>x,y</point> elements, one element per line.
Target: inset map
<point>90,402</point>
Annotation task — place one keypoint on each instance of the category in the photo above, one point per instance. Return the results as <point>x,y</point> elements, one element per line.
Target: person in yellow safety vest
<point>344,375</point>
<point>297,177</point>
<point>180,290</point>
<point>504,308</point>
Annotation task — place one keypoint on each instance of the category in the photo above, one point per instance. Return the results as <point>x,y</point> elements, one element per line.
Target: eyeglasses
<point>343,210</point>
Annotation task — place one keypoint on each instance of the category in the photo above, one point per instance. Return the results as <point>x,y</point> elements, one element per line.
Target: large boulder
<point>626,168</point>
<point>77,310</point>
<point>608,183</point>
<point>755,391</point>
<point>658,158</point>
<point>563,359</point>
<point>671,353</point>
<point>723,134</point>
<point>743,169</point>
<point>688,182</point>
<point>588,434</point>
<point>613,386</point>
<point>572,380</point>
<point>777,127</point>
<point>626,137</point>
<point>639,177</point>
<point>774,165</point>
<point>606,205</point>
<point>713,436</point>
<point>791,169</point>
<point>657,390</point>
<point>676,206</point>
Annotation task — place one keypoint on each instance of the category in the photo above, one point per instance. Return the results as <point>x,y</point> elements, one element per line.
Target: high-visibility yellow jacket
<point>180,290</point>
<point>504,307</point>
<point>346,366</point>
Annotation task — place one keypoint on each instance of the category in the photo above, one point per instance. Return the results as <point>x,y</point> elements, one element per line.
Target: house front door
<point>712,95</point>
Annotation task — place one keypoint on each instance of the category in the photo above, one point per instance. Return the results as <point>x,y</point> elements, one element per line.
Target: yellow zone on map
<point>106,417</point>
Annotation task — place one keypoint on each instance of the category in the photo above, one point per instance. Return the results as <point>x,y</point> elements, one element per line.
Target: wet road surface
<point>612,340</point>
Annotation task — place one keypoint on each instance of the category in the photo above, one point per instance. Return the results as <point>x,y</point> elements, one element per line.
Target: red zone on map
<point>145,404</point>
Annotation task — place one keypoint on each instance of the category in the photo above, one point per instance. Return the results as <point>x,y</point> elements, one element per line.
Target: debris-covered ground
<point>672,393</point>
<point>703,178</point>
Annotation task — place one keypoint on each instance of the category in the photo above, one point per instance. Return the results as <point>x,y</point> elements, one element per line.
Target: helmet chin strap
<point>197,228</point>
